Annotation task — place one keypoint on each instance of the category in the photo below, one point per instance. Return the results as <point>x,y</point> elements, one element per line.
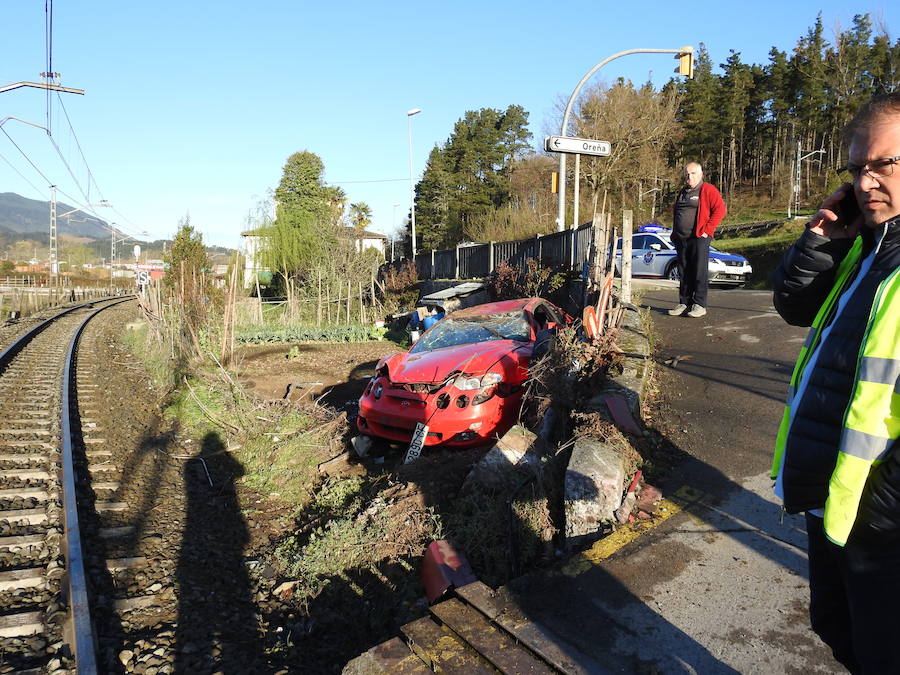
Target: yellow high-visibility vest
<point>872,419</point>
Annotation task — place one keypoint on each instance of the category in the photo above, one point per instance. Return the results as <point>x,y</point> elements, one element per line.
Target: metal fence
<point>561,251</point>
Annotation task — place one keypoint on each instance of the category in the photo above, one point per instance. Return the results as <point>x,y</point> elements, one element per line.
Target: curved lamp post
<point>680,52</point>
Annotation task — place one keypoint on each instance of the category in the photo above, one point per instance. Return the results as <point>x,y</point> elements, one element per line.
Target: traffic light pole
<point>685,56</point>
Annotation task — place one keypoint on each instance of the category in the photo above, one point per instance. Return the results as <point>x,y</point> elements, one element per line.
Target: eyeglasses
<point>880,168</point>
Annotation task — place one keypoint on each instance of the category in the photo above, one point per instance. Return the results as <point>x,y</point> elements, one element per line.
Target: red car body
<point>464,377</point>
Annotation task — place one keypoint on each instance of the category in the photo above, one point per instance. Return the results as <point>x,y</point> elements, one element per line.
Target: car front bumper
<point>395,414</point>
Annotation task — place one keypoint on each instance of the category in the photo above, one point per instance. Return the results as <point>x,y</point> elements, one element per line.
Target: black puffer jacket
<point>802,282</point>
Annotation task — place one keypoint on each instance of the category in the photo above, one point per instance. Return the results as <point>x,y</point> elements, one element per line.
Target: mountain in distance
<point>25,216</point>
<point>29,219</point>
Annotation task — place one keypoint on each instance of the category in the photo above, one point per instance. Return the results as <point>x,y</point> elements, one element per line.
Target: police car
<point>653,255</point>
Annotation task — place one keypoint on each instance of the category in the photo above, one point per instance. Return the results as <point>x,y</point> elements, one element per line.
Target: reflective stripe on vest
<point>844,271</point>
<point>872,419</point>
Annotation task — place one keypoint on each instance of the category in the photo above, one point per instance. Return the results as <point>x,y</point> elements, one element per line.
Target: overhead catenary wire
<point>21,175</point>
<point>49,77</point>
<point>82,207</point>
<point>87,167</point>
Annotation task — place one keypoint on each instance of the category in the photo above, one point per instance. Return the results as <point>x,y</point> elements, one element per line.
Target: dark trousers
<point>693,268</point>
<point>854,595</point>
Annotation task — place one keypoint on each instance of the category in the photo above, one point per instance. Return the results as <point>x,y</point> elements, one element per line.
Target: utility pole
<point>54,252</point>
<point>49,86</point>
<point>54,259</point>
<point>798,177</point>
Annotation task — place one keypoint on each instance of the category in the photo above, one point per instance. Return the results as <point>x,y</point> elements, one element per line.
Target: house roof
<point>366,234</point>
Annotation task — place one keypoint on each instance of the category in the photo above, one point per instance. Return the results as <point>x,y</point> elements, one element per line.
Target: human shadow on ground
<point>217,627</point>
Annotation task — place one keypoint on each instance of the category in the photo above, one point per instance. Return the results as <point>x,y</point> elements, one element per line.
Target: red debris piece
<point>443,568</point>
<point>648,498</point>
<point>634,481</point>
<point>621,414</point>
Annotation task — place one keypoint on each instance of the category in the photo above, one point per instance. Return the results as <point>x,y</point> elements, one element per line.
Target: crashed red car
<point>464,378</point>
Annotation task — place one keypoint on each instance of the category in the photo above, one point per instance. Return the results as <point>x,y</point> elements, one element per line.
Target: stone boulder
<point>504,464</point>
<point>594,483</point>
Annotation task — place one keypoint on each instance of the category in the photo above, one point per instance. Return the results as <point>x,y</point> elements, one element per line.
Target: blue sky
<point>193,107</point>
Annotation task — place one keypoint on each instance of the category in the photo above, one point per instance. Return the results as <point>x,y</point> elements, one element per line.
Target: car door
<point>642,256</point>
<point>657,255</point>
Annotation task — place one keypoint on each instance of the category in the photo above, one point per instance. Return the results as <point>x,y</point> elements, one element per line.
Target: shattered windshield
<point>471,329</point>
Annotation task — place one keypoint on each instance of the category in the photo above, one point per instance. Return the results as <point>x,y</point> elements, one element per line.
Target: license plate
<point>418,442</point>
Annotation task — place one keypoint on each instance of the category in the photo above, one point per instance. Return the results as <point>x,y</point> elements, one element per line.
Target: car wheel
<point>672,272</point>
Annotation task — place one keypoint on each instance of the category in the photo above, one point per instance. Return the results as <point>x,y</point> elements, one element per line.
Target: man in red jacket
<point>698,210</point>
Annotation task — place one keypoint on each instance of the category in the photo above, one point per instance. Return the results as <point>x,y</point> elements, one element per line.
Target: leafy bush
<point>401,286</point>
<point>508,282</point>
<point>347,333</point>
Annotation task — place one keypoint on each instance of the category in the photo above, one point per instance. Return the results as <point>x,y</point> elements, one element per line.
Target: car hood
<point>437,364</point>
<point>719,255</point>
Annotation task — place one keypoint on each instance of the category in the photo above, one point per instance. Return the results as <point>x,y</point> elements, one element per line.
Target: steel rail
<point>80,628</point>
<point>23,339</point>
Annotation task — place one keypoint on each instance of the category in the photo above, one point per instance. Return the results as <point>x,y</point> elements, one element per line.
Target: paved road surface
<point>720,587</point>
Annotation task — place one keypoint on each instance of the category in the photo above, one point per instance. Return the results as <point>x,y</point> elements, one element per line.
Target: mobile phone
<point>848,208</point>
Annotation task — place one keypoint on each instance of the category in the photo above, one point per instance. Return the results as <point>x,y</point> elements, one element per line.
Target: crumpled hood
<point>475,359</point>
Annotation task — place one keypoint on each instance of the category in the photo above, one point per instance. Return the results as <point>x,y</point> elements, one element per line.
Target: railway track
<point>45,606</point>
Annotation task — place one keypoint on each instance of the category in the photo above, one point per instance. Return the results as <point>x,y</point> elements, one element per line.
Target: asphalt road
<point>720,587</point>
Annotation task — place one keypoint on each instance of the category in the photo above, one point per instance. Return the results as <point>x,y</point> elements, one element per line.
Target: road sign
<point>143,277</point>
<point>576,146</point>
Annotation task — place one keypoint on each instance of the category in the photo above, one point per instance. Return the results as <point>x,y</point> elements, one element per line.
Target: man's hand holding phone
<point>839,216</point>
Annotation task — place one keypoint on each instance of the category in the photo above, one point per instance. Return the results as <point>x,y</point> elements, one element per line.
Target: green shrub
<point>304,333</point>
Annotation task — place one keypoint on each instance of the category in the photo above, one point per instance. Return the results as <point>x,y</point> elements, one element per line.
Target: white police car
<point>653,255</point>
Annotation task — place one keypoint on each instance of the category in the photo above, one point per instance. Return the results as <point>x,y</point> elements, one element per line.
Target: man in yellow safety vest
<point>837,456</point>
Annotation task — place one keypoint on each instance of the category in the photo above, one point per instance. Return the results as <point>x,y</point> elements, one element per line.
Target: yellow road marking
<point>604,548</point>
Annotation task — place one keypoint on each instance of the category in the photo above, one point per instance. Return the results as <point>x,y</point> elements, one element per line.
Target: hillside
<point>23,216</point>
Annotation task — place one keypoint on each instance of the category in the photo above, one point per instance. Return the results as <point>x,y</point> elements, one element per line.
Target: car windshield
<point>454,331</point>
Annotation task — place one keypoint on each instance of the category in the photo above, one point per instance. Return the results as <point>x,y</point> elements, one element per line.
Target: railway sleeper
<point>33,577</point>
<point>112,533</point>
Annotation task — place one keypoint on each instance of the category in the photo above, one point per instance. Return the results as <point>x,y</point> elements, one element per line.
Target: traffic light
<point>685,62</point>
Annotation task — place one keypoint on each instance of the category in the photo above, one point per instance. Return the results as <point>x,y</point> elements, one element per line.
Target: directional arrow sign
<point>576,146</point>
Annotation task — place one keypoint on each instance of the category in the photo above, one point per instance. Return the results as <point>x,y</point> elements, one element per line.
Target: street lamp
<point>412,191</point>
<point>394,229</point>
<point>685,56</point>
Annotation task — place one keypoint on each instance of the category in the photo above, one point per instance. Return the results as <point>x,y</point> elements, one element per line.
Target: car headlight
<point>377,390</point>
<point>469,382</point>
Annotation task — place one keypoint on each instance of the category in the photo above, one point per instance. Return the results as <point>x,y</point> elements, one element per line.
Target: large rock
<point>594,483</point>
<point>504,463</point>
